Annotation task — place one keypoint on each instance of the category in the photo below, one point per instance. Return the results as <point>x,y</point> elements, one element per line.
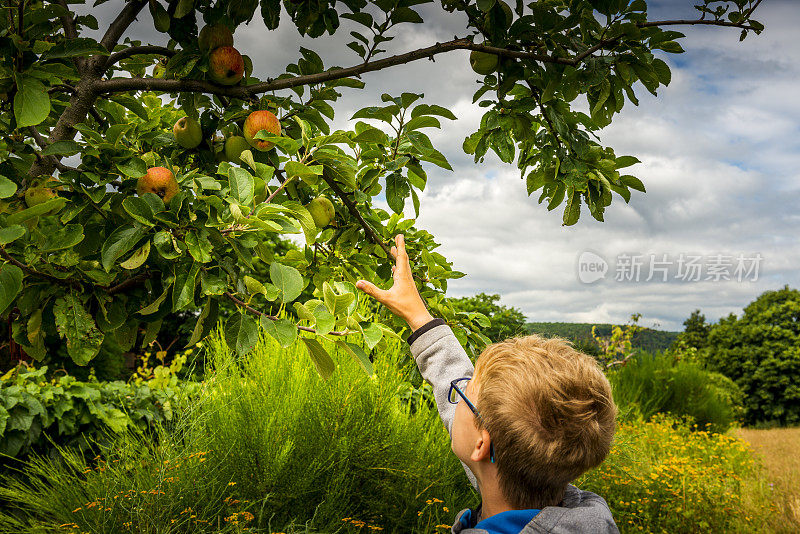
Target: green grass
<point>268,440</point>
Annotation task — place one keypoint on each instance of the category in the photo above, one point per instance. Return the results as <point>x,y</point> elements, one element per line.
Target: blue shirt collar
<point>510,522</point>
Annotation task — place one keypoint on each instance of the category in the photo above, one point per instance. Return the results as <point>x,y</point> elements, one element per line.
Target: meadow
<point>268,446</point>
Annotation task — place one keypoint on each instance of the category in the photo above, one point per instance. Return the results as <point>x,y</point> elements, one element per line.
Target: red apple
<point>158,180</point>
<point>226,66</point>
<point>257,121</point>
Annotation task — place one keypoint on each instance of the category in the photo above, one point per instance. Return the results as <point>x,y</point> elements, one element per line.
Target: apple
<point>187,132</point>
<point>213,36</point>
<point>322,211</point>
<point>257,121</point>
<point>38,194</point>
<point>226,66</point>
<point>482,62</point>
<point>234,146</point>
<point>158,180</point>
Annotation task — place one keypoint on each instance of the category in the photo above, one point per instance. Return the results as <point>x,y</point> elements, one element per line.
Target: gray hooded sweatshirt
<point>441,359</point>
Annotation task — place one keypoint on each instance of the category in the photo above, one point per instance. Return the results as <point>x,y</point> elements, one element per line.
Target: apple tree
<point>143,179</point>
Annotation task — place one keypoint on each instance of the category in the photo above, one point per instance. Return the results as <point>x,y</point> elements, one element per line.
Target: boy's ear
<point>483,447</point>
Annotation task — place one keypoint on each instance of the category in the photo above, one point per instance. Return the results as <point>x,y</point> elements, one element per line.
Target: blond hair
<point>549,412</point>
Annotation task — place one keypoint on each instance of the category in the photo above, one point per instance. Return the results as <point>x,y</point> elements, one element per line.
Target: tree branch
<point>244,92</point>
<point>117,28</point>
<point>34,272</point>
<point>353,209</point>
<point>272,317</point>
<point>67,21</point>
<point>135,50</point>
<point>130,282</point>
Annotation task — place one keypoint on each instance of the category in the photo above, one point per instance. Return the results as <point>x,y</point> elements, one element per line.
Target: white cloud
<point>719,148</point>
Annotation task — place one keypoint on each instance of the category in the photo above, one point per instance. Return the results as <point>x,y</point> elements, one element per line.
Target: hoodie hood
<point>579,512</point>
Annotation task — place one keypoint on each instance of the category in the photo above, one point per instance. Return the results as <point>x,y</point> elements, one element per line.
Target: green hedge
<point>35,411</point>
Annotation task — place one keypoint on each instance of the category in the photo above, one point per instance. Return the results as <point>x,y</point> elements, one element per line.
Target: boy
<point>535,415</point>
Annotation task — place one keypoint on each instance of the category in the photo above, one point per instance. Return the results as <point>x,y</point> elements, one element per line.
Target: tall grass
<point>268,446</point>
<point>659,383</point>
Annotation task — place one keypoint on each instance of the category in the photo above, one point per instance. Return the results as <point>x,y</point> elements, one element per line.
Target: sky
<point>719,150</point>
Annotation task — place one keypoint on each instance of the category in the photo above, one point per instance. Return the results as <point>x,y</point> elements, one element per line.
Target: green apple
<point>322,211</point>
<point>213,36</point>
<point>37,195</point>
<point>483,63</point>
<point>187,132</point>
<point>234,146</point>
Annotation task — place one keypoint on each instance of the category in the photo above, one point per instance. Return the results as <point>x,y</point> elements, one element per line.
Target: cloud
<point>719,149</point>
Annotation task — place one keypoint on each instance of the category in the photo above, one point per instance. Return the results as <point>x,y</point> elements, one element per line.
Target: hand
<point>403,298</point>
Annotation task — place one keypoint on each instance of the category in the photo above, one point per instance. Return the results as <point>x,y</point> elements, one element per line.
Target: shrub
<point>660,383</point>
<point>761,353</point>
<point>36,413</point>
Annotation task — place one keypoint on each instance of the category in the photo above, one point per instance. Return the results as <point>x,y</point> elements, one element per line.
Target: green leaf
<point>573,210</point>
<point>31,103</point>
<point>48,207</point>
<point>75,324</point>
<point>359,354</point>
<point>662,71</point>
<point>397,190</point>
<point>153,307</point>
<point>242,185</point>
<point>66,237</point>
<point>283,330</point>
<point>138,258</point>
<point>11,233</point>
<point>241,333</point>
<point>134,167</point>
<point>82,47</point>
<point>421,142</point>
<point>139,210</point>
<point>10,285</point>
<point>185,281</point>
<point>62,148</point>
<point>199,246</point>
<point>385,114</point>
<point>7,187</point>
<point>372,335</point>
<point>632,182</point>
<point>425,109</point>
<point>324,319</point>
<point>322,360</point>
<point>422,122</point>
<point>119,243</point>
<point>625,161</point>
<point>206,321</point>
<point>309,174</point>
<point>287,279</point>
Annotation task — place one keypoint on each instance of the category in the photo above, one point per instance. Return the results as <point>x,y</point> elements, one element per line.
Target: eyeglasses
<point>457,388</point>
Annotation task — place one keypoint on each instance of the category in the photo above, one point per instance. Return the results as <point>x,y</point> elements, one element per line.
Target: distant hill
<point>581,333</point>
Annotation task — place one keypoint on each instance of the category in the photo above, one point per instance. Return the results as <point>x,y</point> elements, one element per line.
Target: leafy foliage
<point>86,258</point>
<point>760,351</point>
<point>504,321</point>
<point>36,413</point>
<point>649,384</point>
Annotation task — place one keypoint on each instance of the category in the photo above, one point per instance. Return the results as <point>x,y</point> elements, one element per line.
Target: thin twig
<point>135,50</point>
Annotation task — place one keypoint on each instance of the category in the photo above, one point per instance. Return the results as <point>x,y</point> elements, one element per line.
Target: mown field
<point>779,449</point>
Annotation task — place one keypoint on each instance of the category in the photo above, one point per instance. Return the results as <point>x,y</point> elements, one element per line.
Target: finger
<point>393,250</point>
<point>372,290</point>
